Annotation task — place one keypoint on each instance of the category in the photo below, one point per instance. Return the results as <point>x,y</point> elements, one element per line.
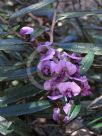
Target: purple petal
<point>55,97</point>
<point>49,55</point>
<point>66,119</point>
<point>48,43</point>
<point>42,46</point>
<point>60,66</point>
<point>67,108</point>
<point>85,89</point>
<point>26,30</point>
<point>75,89</point>
<point>67,87</point>
<point>56,114</point>
<point>73,56</point>
<point>48,85</point>
<point>47,66</point>
<point>71,68</point>
<point>85,92</point>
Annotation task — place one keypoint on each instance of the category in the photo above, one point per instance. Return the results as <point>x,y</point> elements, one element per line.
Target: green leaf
<point>97,103</point>
<point>99,125</point>
<point>74,111</point>
<point>11,41</point>
<point>86,62</point>
<point>16,93</point>
<point>77,14</point>
<point>13,44</point>
<point>4,126</point>
<point>27,108</point>
<point>81,47</point>
<point>96,123</point>
<point>95,120</point>
<point>31,8</point>
<point>16,74</point>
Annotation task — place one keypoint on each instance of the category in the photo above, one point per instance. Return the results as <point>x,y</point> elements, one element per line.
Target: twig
<point>53,22</point>
<point>39,20</point>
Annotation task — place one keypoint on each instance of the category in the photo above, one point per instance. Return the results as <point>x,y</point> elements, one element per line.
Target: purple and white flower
<point>26,30</point>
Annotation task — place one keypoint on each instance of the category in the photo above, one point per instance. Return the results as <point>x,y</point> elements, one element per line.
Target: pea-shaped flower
<point>26,30</point>
<point>69,89</point>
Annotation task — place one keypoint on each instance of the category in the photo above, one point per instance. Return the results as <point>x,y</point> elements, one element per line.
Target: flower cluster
<point>63,80</point>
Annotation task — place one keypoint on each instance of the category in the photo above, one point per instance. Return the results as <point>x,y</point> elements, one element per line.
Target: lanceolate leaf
<point>32,8</point>
<point>87,62</point>
<point>13,44</point>
<point>81,47</point>
<point>94,121</point>
<point>78,14</point>
<point>11,41</point>
<point>16,74</point>
<point>4,126</point>
<point>97,103</point>
<point>16,93</point>
<point>74,111</point>
<point>99,125</point>
<point>22,109</point>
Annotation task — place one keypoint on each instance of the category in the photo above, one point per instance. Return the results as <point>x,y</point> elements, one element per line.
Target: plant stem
<point>53,22</point>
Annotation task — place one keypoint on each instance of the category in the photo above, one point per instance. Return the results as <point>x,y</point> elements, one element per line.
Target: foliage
<point>18,96</point>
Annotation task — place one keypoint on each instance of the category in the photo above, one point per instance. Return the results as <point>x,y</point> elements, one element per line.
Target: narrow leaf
<point>99,125</point>
<point>74,111</point>
<point>16,93</point>
<point>16,74</point>
<point>81,47</point>
<point>97,103</point>
<point>22,109</point>
<point>32,8</point>
<point>78,14</point>
<point>11,41</point>
<point>86,62</point>
<point>13,44</point>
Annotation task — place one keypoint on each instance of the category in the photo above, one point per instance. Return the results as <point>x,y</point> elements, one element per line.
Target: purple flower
<point>85,88</point>
<point>50,86</point>
<point>84,85</point>
<point>48,55</point>
<point>66,119</point>
<point>74,57</point>
<point>43,46</point>
<point>55,97</point>
<point>69,89</point>
<point>47,67</point>
<point>67,108</point>
<point>56,114</point>
<point>64,69</point>
<point>26,30</point>
<point>65,66</point>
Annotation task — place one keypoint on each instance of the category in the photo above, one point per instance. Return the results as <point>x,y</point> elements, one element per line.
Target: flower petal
<point>71,68</point>
<point>56,114</point>
<point>55,97</point>
<point>67,108</point>
<point>26,30</point>
<point>49,55</point>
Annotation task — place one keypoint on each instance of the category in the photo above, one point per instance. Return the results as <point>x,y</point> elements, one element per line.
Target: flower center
<point>46,71</point>
<point>68,92</point>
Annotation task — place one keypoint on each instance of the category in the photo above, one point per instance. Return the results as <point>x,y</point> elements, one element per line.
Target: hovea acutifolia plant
<point>43,75</point>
